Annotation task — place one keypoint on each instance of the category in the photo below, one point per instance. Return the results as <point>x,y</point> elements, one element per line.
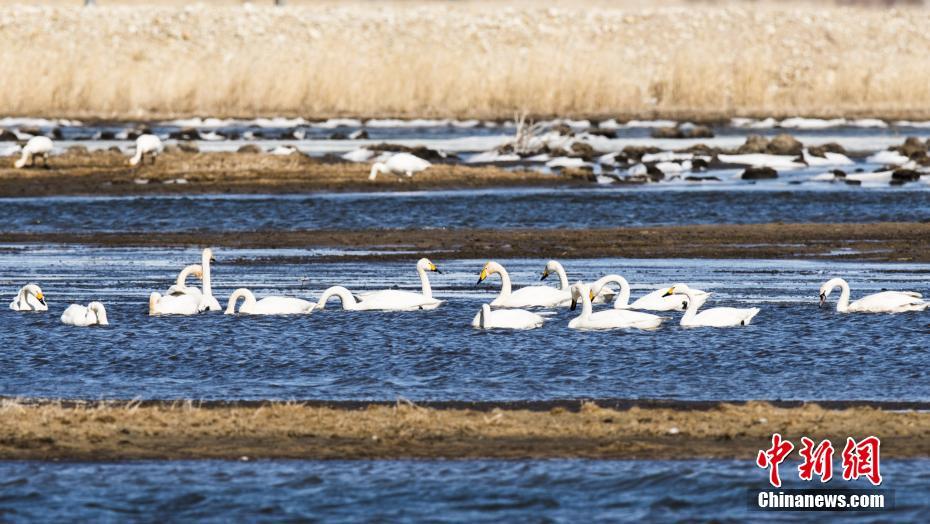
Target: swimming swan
<point>530,296</point>
<point>884,302</point>
<point>188,303</point>
<point>180,287</point>
<point>146,145</point>
<point>267,305</point>
<point>93,314</point>
<point>608,319</point>
<point>399,164</point>
<point>29,298</point>
<point>713,317</point>
<point>506,319</point>
<point>37,146</point>
<point>388,299</point>
<point>654,301</point>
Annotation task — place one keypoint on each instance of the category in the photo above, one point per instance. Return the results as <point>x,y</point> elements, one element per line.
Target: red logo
<point>774,456</point>
<point>816,461</point>
<point>861,460</point>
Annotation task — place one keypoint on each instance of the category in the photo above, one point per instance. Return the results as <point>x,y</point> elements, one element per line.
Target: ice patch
<point>358,155</point>
<point>892,158</point>
<point>762,160</point>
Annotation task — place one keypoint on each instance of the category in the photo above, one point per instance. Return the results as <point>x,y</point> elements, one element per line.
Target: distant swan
<point>93,314</point>
<point>399,164</point>
<point>530,296</point>
<point>884,302</point>
<point>146,145</point>
<point>180,287</point>
<point>654,301</point>
<point>37,146</point>
<point>607,319</point>
<point>29,298</point>
<point>388,299</point>
<point>713,317</point>
<point>267,305</point>
<point>506,319</point>
<point>188,303</point>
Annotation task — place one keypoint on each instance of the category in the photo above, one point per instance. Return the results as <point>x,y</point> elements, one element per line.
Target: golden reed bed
<point>464,59</point>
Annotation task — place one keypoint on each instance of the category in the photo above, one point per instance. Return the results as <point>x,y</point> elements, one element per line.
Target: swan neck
<point>623,299</point>
<point>424,280</point>
<point>563,278</point>
<point>691,310</point>
<point>234,298</point>
<point>586,307</point>
<point>505,282</point>
<point>348,301</point>
<point>184,274</point>
<point>205,263</point>
<point>842,305</point>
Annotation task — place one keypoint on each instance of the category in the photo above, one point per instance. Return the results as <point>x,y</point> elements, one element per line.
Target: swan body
<point>267,305</point>
<point>399,164</point>
<point>884,302</point>
<point>713,317</point>
<point>37,146</point>
<point>29,298</point>
<point>180,287</point>
<point>654,301</point>
<point>188,303</point>
<point>149,145</point>
<point>608,319</point>
<point>388,299</point>
<point>93,314</point>
<point>530,296</point>
<point>506,319</point>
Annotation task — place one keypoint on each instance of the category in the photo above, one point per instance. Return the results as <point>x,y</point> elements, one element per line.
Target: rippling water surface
<point>792,350</point>
<point>486,491</point>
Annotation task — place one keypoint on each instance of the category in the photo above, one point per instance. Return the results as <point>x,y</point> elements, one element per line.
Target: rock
<point>583,150</point>
<point>30,130</point>
<point>579,173</point>
<point>905,175</point>
<point>77,150</point>
<point>106,135</point>
<point>654,173</point>
<point>229,134</point>
<point>833,147</point>
<point>693,178</point>
<point>689,130</point>
<point>759,173</point>
<point>785,144</point>
<point>250,149</point>
<point>188,133</point>
<point>839,173</point>
<point>853,182</point>
<point>133,134</point>
<point>637,152</point>
<point>57,133</point>
<point>699,164</point>
<point>912,147</point>
<point>188,147</point>
<point>606,133</point>
<point>754,144</point>
<point>338,136</point>
<point>361,134</point>
<point>666,132</point>
<point>7,136</point>
<point>563,129</point>
<point>701,149</point>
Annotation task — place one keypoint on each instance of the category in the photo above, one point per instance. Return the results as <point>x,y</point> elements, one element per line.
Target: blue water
<point>792,350</point>
<point>404,491</point>
<point>541,208</point>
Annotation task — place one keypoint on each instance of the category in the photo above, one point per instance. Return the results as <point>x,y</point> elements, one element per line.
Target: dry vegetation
<point>464,59</point>
<point>182,430</point>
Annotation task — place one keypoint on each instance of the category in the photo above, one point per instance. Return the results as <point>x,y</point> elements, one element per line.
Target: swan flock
<point>508,310</point>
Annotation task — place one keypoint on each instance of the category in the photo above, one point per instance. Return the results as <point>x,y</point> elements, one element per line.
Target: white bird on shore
<point>713,317</point>
<point>149,145</point>
<point>29,298</point>
<point>188,303</point>
<point>506,319</point>
<point>399,164</point>
<point>654,301</point>
<point>388,299</point>
<point>94,314</point>
<point>884,302</point>
<point>37,146</point>
<point>530,296</point>
<point>267,305</point>
<point>608,319</point>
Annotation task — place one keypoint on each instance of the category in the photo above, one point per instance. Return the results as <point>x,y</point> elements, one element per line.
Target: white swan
<point>506,319</point>
<point>267,305</point>
<point>94,314</point>
<point>29,298</point>
<point>713,317</point>
<point>884,302</point>
<point>389,299</point>
<point>654,301</point>
<point>37,146</point>
<point>530,296</point>
<point>399,164</point>
<point>608,319</point>
<point>188,303</point>
<point>180,287</point>
<point>146,145</point>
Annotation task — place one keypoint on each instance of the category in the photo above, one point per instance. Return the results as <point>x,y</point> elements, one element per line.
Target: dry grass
<point>467,59</point>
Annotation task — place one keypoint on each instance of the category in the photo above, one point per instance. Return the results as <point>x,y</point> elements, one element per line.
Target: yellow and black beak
<point>591,295</point>
<point>432,267</point>
<point>545,275</point>
<point>41,297</point>
<point>574,303</point>
<point>670,292</point>
<point>482,276</point>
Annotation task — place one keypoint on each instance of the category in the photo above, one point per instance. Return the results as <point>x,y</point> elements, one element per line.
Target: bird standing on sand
<point>37,146</point>
<point>399,164</point>
<point>146,145</point>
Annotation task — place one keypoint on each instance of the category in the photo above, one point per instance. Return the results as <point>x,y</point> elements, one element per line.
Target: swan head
<point>208,256</point>
<point>489,269</point>
<point>36,291</point>
<point>579,290</point>
<point>828,287</point>
<point>426,265</point>
<point>677,288</point>
<point>100,311</point>
<point>551,267</point>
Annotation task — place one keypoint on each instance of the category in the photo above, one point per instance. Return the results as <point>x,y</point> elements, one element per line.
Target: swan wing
<point>888,302</point>
<point>510,319</point>
<point>536,296</point>
<point>178,305</point>
<point>396,300</point>
<point>75,315</point>
<point>619,319</point>
<point>656,301</point>
<point>281,306</point>
<point>723,317</point>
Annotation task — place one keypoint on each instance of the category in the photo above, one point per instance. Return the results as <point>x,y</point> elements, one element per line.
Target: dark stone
<point>759,173</point>
<point>701,149</point>
<point>361,134</point>
<point>696,131</point>
<point>229,134</point>
<point>7,136</point>
<point>753,144</point>
<point>107,135</point>
<point>338,136</point>
<point>699,164</point>
<point>666,132</point>
<point>57,133</point>
<point>853,182</point>
<point>905,175</point>
<point>833,147</point>
<point>250,149</point>
<point>606,133</point>
<point>583,150</point>
<point>563,129</point>
<point>912,147</point>
<point>579,173</point>
<point>637,152</point>
<point>817,151</point>
<point>839,173</point>
<point>785,144</point>
<point>693,178</point>
<point>188,133</point>
<point>654,173</point>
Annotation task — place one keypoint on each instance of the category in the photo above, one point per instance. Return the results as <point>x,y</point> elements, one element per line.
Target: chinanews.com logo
<point>860,460</point>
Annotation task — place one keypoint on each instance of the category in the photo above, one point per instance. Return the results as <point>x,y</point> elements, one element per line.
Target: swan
<point>399,164</point>
<point>267,305</point>
<point>506,319</point>
<point>884,302</point>
<point>180,287</point>
<point>530,296</point>
<point>389,299</point>
<point>609,319</point>
<point>37,146</point>
<point>93,314</point>
<point>188,303</point>
<point>146,145</point>
<point>713,317</point>
<point>654,301</point>
<point>29,298</point>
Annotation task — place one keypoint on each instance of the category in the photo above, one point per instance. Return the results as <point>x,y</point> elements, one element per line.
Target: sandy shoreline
<point>282,430</point>
<point>880,242</point>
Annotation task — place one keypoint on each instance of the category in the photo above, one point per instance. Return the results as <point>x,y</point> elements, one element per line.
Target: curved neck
<point>585,303</point>
<point>505,282</point>
<point>100,312</point>
<point>237,294</point>
<point>424,281</point>
<point>186,272</point>
<point>563,278</point>
<point>205,263</point>
<point>345,296</point>
<point>623,298</point>
<point>842,305</point>
<point>485,311</point>
<point>691,311</point>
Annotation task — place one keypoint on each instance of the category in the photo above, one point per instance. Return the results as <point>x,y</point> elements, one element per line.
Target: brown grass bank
<point>277,430</point>
<point>464,59</point>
